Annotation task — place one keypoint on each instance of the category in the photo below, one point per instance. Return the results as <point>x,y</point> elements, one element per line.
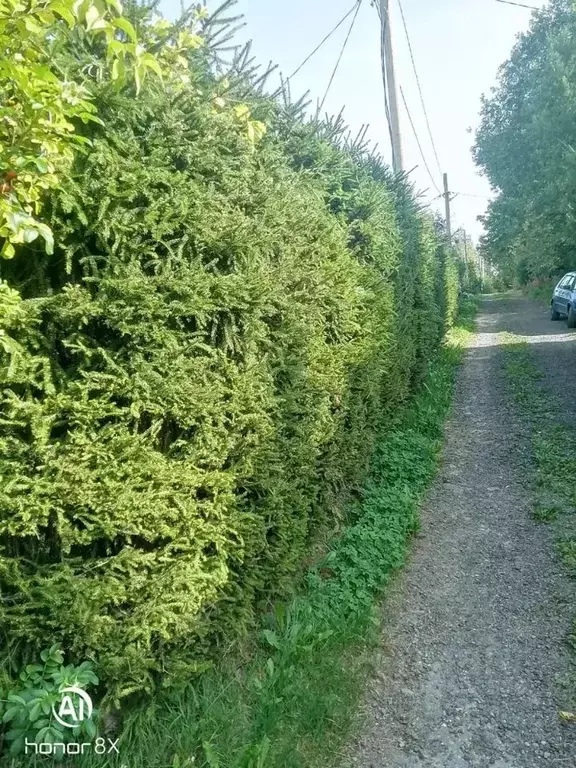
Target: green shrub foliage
<point>192,382</point>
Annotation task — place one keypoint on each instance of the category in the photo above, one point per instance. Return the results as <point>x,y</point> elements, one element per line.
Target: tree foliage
<point>44,95</point>
<point>526,145</point>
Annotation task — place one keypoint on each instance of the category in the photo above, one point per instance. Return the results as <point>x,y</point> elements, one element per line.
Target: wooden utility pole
<point>389,79</point>
<point>466,255</point>
<point>447,203</point>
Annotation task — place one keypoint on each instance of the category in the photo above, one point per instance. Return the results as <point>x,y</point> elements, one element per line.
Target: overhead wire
<point>469,194</point>
<point>418,141</point>
<point>419,86</point>
<point>328,36</point>
<point>462,194</point>
<point>409,114</point>
<point>332,76</point>
<point>520,5</point>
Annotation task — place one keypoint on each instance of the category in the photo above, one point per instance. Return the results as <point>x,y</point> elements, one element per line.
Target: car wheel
<point>571,318</point>
<point>553,314</point>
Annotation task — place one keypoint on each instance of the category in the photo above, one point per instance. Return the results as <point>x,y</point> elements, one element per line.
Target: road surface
<point>475,626</point>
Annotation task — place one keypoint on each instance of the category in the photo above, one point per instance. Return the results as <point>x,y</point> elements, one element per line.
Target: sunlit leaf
<point>126,27</point>
<point>151,63</point>
<point>64,12</point>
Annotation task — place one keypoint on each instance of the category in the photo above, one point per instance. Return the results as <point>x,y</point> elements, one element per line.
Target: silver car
<point>563,302</point>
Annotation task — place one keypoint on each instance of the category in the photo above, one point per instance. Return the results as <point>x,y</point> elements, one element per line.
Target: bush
<point>27,710</point>
<point>194,379</point>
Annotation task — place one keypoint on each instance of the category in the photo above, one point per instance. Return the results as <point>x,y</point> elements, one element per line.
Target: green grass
<point>553,443</point>
<point>553,464</point>
<point>542,290</point>
<point>290,697</point>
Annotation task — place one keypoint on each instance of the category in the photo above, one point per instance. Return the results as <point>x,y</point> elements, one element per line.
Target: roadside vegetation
<point>222,356</point>
<point>290,696</point>
<point>541,290</point>
<point>526,146</point>
<point>553,461</point>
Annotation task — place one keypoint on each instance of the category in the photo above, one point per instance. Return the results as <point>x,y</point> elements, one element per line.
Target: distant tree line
<point>526,145</point>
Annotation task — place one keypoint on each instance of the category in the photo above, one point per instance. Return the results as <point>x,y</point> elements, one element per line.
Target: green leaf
<point>11,713</point>
<point>90,728</point>
<point>139,75</point>
<point>126,27</point>
<point>151,63</point>
<point>56,732</point>
<point>86,117</point>
<point>210,754</point>
<point>17,746</point>
<point>118,71</point>
<point>27,234</point>
<point>32,25</point>
<point>42,166</point>
<point>92,18</point>
<point>17,699</point>
<point>43,735</point>
<point>242,112</point>
<point>8,250</point>
<point>35,712</point>
<point>64,12</point>
<point>46,233</point>
<point>272,638</point>
<point>14,733</point>
<point>263,749</point>
<point>83,140</point>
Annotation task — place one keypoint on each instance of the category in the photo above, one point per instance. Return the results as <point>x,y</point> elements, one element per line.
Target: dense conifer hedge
<point>193,381</point>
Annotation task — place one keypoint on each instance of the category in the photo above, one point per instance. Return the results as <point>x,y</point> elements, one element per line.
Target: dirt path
<point>476,624</point>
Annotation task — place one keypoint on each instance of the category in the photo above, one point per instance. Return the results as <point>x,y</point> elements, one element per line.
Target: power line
<point>418,142</point>
<point>468,194</point>
<point>410,116</point>
<point>462,194</point>
<point>419,86</point>
<point>328,36</point>
<point>358,4</point>
<point>520,5</point>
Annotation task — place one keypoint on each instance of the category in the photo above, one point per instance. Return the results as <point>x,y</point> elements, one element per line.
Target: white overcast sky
<point>458,46</point>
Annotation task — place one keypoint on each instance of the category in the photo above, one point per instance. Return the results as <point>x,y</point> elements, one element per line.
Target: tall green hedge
<point>192,383</point>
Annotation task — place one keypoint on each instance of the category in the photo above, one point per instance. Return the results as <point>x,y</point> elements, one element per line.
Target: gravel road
<point>476,624</point>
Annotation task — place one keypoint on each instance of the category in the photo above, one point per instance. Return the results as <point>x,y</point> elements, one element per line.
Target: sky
<point>458,46</point>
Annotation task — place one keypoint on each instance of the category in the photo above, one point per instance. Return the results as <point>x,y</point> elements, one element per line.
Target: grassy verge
<point>291,700</point>
<point>554,464</point>
<point>541,290</point>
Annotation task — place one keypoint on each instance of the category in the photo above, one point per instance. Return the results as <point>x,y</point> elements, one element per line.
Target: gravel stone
<point>476,624</point>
